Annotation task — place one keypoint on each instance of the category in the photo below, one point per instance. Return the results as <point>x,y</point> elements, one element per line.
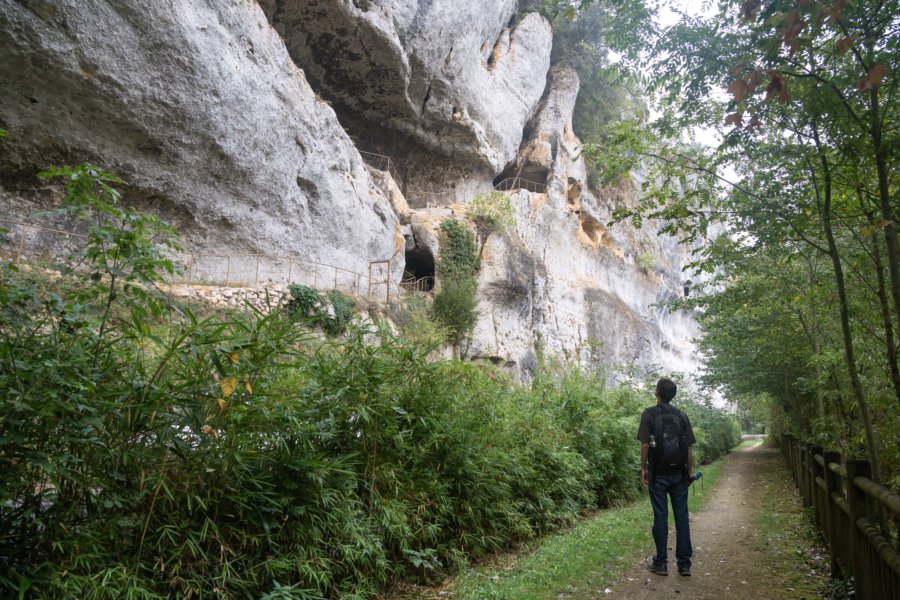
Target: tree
<point>807,118</point>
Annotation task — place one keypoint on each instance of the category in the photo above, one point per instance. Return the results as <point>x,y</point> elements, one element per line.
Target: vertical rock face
<point>202,106</point>
<point>456,80</point>
<point>563,280</point>
<point>198,105</point>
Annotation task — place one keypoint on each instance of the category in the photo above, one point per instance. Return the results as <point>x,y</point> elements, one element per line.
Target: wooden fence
<point>855,515</point>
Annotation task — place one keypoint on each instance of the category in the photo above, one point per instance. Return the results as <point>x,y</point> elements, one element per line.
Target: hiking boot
<point>684,571</point>
<point>657,568</point>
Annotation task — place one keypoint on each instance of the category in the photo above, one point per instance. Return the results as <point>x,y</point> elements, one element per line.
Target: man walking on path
<point>666,438</point>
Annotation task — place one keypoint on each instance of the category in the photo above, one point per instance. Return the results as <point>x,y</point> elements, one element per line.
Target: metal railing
<point>517,183</point>
<point>848,507</point>
<point>417,286</point>
<point>37,242</point>
<point>380,162</point>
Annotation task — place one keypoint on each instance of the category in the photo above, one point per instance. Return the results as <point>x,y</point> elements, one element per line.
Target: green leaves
<point>455,304</point>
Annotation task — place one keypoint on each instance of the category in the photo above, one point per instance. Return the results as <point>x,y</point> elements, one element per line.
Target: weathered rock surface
<point>199,106</point>
<point>457,79</point>
<point>562,279</point>
<point>202,108</point>
<point>546,282</point>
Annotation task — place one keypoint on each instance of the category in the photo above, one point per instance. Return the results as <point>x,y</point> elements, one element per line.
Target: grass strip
<point>786,542</point>
<point>577,562</point>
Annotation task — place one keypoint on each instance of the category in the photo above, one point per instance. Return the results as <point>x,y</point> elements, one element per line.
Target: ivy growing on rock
<point>455,306</point>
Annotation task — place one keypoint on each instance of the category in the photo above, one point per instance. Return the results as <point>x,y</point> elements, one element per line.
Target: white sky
<point>668,16</point>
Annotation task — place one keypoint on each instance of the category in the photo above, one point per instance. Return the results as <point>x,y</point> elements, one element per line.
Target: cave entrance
<point>530,177</point>
<point>418,275</point>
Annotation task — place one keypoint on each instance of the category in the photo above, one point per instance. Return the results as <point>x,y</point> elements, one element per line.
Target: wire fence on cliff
<point>38,243</point>
<point>33,242</point>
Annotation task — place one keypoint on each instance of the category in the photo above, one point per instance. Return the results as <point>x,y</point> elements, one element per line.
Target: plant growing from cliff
<point>491,212</point>
<point>455,306</point>
<point>645,262</point>
<point>342,305</point>
<point>303,301</point>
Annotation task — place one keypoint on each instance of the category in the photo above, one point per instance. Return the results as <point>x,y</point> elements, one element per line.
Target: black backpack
<point>670,451</point>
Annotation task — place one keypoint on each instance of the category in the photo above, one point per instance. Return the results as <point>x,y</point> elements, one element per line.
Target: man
<point>666,439</point>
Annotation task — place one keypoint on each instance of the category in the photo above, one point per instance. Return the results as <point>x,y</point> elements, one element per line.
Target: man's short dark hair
<point>666,389</point>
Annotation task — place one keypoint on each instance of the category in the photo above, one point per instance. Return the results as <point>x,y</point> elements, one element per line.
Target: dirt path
<point>727,561</point>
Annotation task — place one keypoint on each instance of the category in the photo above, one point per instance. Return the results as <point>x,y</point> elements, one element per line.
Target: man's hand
<point>644,477</point>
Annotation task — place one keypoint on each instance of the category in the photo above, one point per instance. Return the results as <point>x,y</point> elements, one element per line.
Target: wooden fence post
<point>832,485</point>
<point>858,502</point>
<point>816,474</point>
<point>804,474</point>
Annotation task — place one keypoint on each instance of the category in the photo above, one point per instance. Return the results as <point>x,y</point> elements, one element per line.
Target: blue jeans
<point>676,486</point>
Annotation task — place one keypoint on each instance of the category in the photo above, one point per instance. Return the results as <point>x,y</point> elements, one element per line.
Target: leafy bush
<point>342,305</point>
<point>455,306</point>
<point>716,430</point>
<point>306,303</point>
<point>491,212</point>
<point>645,262</point>
<point>170,456</point>
<point>303,301</point>
<point>416,323</point>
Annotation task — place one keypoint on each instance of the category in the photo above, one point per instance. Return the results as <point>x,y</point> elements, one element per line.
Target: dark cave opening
<point>420,266</point>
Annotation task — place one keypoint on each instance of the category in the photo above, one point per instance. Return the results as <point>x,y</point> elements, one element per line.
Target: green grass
<point>787,540</point>
<point>575,562</point>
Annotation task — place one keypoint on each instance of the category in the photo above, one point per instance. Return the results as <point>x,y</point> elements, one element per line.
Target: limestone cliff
<point>199,107</point>
<point>242,123</point>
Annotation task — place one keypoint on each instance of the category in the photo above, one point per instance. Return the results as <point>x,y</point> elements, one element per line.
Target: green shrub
<point>342,305</point>
<point>415,320</point>
<point>491,212</point>
<point>645,262</point>
<point>716,430</point>
<point>170,456</point>
<point>455,306</point>
<point>303,301</point>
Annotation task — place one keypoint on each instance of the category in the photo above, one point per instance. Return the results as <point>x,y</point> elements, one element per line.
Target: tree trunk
<point>886,320</point>
<point>847,335</point>
<point>884,197</point>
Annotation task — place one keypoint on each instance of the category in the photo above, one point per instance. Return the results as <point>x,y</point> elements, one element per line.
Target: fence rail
<point>850,512</point>
<point>36,242</point>
<point>417,286</point>
<point>517,183</point>
<point>380,162</point>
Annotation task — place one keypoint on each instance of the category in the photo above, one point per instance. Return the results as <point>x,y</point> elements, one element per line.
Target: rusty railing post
<point>21,249</point>
<point>387,281</point>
